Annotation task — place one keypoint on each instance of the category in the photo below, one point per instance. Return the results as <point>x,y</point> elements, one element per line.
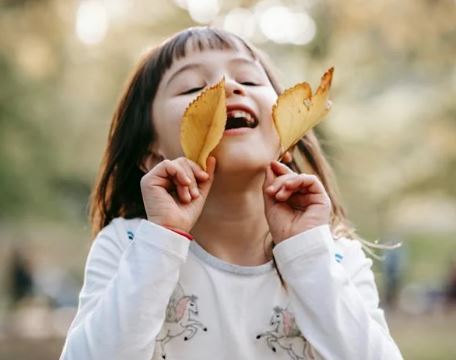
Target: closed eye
<point>192,90</point>
<point>249,83</point>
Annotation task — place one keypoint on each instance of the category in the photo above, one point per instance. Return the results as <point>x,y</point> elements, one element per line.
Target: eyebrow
<point>197,66</point>
<point>184,68</point>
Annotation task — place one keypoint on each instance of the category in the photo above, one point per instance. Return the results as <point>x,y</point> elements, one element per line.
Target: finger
<point>206,186</point>
<point>151,180</point>
<point>280,169</point>
<point>283,193</point>
<point>278,183</point>
<point>304,201</point>
<point>211,162</point>
<point>193,186</point>
<point>184,194</point>
<point>181,180</point>
<point>176,172</point>
<point>310,182</point>
<point>268,178</point>
<point>199,173</point>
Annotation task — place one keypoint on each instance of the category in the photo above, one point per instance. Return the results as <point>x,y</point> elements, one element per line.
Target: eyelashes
<point>192,90</point>
<point>199,88</point>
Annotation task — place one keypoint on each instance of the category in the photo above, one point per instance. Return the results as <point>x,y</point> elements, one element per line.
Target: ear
<point>152,158</point>
<point>287,157</point>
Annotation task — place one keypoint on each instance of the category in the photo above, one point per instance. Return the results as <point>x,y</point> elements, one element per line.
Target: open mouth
<point>239,119</point>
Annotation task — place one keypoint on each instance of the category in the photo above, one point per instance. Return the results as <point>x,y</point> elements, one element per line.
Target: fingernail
<point>270,188</point>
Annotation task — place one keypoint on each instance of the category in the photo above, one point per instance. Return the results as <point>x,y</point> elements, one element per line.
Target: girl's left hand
<point>294,202</point>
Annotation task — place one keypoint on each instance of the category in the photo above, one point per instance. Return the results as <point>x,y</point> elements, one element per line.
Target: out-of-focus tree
<point>389,135</point>
<point>29,69</point>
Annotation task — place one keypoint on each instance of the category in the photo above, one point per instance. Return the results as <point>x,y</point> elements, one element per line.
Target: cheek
<point>167,119</point>
<point>268,122</point>
<point>172,111</point>
<point>175,108</point>
<point>268,102</point>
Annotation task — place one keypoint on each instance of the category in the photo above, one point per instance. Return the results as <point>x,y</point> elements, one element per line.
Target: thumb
<point>206,186</point>
<point>268,180</point>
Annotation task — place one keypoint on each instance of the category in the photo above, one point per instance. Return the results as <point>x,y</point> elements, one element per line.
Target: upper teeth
<point>241,114</point>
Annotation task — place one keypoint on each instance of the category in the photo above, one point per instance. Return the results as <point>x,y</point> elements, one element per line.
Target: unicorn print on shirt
<point>285,334</point>
<point>180,319</point>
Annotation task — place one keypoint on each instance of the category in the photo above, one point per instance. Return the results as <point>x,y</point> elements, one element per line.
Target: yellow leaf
<point>203,124</point>
<point>296,111</point>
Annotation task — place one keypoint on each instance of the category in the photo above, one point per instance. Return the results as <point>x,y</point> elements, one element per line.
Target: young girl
<point>271,269</point>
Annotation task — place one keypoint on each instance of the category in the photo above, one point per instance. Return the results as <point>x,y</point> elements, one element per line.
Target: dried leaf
<point>296,111</point>
<point>203,124</point>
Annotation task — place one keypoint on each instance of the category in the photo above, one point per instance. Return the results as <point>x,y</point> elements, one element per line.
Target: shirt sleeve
<point>334,297</point>
<point>127,287</point>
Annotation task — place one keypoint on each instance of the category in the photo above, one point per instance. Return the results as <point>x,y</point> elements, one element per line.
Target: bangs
<point>198,39</point>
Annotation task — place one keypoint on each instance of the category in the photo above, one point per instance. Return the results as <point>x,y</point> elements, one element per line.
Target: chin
<point>242,162</point>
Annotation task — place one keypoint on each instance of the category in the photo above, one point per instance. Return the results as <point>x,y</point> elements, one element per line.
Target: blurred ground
<point>419,338</point>
<point>425,337</point>
<point>30,349</point>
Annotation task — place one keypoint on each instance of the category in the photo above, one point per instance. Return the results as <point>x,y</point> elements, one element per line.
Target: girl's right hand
<point>174,192</point>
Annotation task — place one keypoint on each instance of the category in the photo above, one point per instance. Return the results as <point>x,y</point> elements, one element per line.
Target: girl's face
<point>247,89</point>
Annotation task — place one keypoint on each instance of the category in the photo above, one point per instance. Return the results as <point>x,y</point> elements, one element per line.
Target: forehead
<point>195,50</point>
<point>213,58</point>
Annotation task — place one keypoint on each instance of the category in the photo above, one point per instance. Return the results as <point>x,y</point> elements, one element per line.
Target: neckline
<point>224,266</point>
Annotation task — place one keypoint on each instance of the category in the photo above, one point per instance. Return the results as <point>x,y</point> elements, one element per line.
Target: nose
<point>233,88</point>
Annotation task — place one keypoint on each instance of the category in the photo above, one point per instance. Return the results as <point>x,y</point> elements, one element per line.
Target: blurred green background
<point>391,137</point>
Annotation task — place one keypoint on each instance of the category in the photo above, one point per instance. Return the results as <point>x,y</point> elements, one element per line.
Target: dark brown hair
<point>117,192</point>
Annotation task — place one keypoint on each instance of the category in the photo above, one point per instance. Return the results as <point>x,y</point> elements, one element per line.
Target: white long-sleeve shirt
<point>150,293</point>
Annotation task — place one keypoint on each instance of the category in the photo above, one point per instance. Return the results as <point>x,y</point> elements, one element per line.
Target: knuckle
<point>144,182</point>
<point>182,160</point>
<point>187,165</point>
<point>181,163</point>
<point>193,167</point>
<point>179,168</point>
<point>191,163</point>
<point>184,168</point>
<point>284,177</point>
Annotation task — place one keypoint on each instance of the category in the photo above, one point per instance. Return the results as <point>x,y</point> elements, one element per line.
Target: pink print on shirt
<point>285,334</point>
<point>180,319</point>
